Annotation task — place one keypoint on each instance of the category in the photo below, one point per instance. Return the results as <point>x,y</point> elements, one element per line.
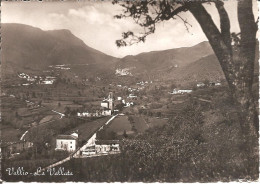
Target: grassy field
<point>55,105</point>
<point>60,105</point>
<point>153,122</point>
<point>10,134</point>
<point>140,124</point>
<point>15,118</point>
<point>119,125</point>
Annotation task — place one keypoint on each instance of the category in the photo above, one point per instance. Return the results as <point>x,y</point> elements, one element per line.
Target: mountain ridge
<point>33,48</point>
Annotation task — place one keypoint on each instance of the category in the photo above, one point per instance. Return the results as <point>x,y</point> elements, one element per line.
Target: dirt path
<point>145,122</point>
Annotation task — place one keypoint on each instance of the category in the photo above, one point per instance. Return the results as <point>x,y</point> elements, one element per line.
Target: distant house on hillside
<point>212,83</point>
<point>181,91</point>
<point>47,82</point>
<point>200,84</point>
<point>132,96</point>
<point>67,142</point>
<point>123,71</point>
<point>128,104</point>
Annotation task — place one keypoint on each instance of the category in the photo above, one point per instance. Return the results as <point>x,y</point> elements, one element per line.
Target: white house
<point>107,146</point>
<point>89,150</point>
<point>128,104</point>
<point>104,104</point>
<point>131,96</point>
<point>84,114</point>
<point>106,112</point>
<point>67,142</point>
<point>185,91</point>
<point>211,83</point>
<point>200,84</point>
<point>47,82</point>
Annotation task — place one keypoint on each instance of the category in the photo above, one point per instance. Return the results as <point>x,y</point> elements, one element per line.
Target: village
<point>126,100</point>
<point>36,79</point>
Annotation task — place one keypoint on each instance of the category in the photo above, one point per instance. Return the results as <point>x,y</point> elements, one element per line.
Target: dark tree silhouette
<point>236,52</point>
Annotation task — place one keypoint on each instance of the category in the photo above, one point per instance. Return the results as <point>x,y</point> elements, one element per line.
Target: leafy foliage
<point>198,144</point>
<point>147,14</point>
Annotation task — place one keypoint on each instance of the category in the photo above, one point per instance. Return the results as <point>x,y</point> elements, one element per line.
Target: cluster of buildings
<point>93,147</point>
<point>180,91</point>
<point>27,77</point>
<point>142,83</point>
<point>62,67</point>
<point>123,72</point>
<point>102,147</point>
<point>201,84</point>
<point>107,106</point>
<point>128,104</point>
<point>106,109</point>
<point>97,113</point>
<point>139,86</point>
<point>36,79</point>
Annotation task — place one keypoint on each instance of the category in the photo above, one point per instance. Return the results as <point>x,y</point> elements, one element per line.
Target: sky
<point>93,22</point>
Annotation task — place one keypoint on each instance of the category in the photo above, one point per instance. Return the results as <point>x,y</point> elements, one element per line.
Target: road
<point>61,115</point>
<point>204,100</point>
<point>32,103</point>
<point>22,137</point>
<point>145,122</point>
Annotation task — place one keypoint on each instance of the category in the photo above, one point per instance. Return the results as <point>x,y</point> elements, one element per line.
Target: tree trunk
<point>238,67</point>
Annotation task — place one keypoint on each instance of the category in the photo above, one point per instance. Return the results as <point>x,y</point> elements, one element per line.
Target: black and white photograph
<point>129,91</point>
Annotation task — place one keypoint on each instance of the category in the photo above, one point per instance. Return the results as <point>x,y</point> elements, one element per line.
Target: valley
<point>53,85</point>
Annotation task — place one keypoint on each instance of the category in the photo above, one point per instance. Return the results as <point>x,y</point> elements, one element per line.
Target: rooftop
<point>66,137</point>
<point>99,142</point>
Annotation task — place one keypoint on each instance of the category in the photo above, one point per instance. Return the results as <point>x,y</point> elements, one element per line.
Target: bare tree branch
<point>186,23</point>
